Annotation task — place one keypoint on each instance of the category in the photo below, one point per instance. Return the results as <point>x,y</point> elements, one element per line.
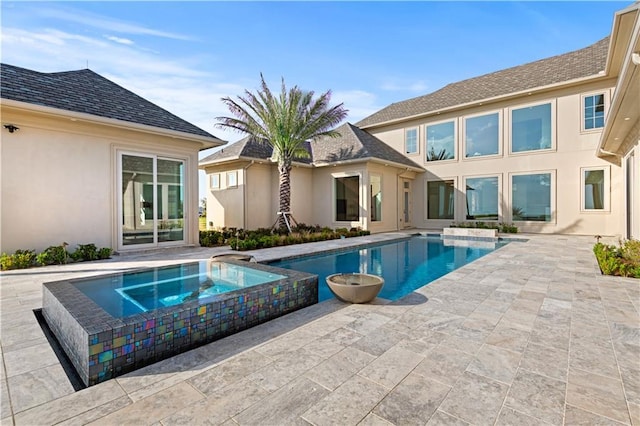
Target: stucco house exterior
<point>550,146</point>
<point>84,160</point>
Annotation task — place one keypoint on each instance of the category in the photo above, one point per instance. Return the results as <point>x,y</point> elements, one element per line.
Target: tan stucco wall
<point>573,150</point>
<point>59,180</point>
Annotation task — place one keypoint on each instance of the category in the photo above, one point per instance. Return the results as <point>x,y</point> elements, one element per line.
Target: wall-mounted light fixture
<point>635,58</point>
<point>11,128</point>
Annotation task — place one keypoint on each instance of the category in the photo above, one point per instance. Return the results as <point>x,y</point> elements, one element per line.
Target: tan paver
<point>529,334</point>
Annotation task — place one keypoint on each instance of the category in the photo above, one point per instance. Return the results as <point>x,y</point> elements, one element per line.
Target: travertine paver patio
<point>529,334</point>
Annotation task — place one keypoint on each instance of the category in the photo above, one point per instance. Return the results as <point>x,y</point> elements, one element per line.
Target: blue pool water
<point>131,293</point>
<point>405,265</point>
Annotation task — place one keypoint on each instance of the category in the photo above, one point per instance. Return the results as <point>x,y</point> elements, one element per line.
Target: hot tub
<point>112,324</point>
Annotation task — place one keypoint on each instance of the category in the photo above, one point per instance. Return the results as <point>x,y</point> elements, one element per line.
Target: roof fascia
<point>606,148</point>
<point>369,159</point>
<point>206,142</point>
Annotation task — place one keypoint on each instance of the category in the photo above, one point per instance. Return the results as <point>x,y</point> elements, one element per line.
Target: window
<point>531,197</point>
<point>440,199</point>
<point>440,141</point>
<point>232,179</point>
<point>531,128</point>
<point>214,181</point>
<point>482,135</point>
<point>347,191</point>
<point>376,198</point>
<point>411,141</point>
<point>482,198</point>
<point>593,112</point>
<point>595,188</point>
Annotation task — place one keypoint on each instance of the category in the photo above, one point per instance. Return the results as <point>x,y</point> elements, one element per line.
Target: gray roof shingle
<point>557,69</point>
<point>86,92</point>
<point>353,144</point>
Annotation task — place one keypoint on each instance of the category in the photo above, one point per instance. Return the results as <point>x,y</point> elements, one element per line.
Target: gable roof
<point>585,62</point>
<point>87,92</point>
<point>353,144</point>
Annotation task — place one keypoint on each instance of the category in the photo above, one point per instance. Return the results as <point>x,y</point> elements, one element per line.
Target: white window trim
<point>361,196</point>
<point>604,93</point>
<point>554,215</point>
<point>211,185</point>
<point>232,173</point>
<point>456,201</point>
<point>554,120</point>
<point>455,142</point>
<point>463,136</point>
<point>417,151</point>
<point>607,189</point>
<point>463,214</point>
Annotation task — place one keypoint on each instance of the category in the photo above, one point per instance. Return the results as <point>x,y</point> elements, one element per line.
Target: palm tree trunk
<point>284,186</point>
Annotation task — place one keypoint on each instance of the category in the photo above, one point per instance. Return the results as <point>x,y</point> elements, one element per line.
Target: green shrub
<point>622,260</point>
<point>86,252</point>
<point>53,255</point>
<point>104,253</point>
<point>21,259</point>
<point>501,227</point>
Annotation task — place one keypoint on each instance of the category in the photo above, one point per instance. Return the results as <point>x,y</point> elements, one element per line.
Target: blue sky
<point>185,56</point>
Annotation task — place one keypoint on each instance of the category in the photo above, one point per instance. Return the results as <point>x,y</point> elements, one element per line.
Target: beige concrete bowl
<point>355,288</point>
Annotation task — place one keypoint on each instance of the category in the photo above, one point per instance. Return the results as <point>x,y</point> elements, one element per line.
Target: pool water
<point>405,265</point>
<point>131,293</point>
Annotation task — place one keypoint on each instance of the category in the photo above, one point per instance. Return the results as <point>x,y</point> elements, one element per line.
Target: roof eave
<point>366,160</point>
<point>529,92</point>
<point>205,141</point>
<point>623,113</point>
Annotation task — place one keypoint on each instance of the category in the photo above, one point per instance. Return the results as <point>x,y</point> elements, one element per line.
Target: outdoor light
<point>635,58</point>
<point>11,128</point>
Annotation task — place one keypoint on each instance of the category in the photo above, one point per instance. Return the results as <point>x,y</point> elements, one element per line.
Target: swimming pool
<point>405,265</point>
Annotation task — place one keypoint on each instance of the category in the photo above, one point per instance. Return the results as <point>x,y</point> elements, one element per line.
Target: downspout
<point>244,194</point>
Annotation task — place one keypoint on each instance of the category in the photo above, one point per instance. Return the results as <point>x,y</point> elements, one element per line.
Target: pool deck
<point>530,334</point>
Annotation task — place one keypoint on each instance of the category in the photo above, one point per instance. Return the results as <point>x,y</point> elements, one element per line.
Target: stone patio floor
<point>530,334</point>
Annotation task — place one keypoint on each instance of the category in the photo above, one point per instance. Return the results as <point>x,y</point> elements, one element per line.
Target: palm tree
<point>285,122</point>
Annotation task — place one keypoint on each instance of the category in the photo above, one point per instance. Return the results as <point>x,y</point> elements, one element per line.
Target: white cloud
<point>119,40</point>
<point>415,87</point>
<point>359,103</point>
<point>105,23</point>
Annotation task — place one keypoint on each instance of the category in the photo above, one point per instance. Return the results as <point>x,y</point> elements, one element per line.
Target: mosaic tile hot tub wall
<point>102,347</point>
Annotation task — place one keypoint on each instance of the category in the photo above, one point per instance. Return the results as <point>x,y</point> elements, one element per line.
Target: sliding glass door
<point>151,200</point>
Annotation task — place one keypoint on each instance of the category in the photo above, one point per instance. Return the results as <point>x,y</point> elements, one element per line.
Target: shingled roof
<point>86,92</point>
<point>352,145</point>
<point>557,69</point>
<point>248,148</point>
<point>355,144</point>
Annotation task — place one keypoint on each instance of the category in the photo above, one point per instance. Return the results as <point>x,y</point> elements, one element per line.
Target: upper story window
<point>411,141</point>
<point>531,128</point>
<point>232,179</point>
<point>441,141</point>
<point>593,112</point>
<point>214,181</point>
<point>482,135</point>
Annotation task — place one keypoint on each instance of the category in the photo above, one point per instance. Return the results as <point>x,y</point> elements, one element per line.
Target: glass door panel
<point>170,196</point>
<point>137,200</point>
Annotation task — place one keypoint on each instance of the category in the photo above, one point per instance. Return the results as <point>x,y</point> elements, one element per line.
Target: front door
<point>151,200</point>
<point>405,206</point>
